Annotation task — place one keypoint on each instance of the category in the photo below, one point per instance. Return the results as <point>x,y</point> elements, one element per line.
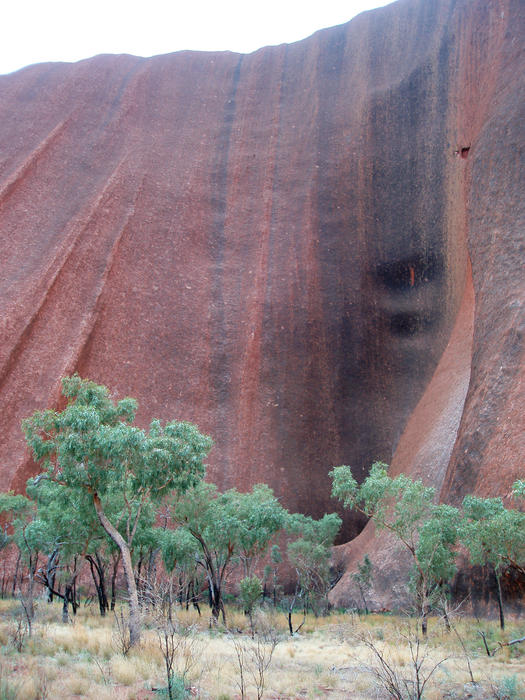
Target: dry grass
<point>330,658</point>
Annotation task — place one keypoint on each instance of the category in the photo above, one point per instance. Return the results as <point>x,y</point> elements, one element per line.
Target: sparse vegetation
<point>333,656</point>
<point>116,496</point>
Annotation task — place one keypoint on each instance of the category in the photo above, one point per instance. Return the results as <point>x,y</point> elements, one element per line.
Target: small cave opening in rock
<point>464,151</point>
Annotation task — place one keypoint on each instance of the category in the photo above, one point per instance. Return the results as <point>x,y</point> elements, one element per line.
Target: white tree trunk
<point>134,612</point>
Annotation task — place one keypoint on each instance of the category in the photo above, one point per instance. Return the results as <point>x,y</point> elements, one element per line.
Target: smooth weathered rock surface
<point>276,246</point>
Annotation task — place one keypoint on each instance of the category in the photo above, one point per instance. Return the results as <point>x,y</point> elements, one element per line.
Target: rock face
<point>313,251</point>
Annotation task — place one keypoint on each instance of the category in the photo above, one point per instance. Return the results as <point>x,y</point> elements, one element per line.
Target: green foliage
<point>310,554</point>
<point>91,445</point>
<point>178,548</point>
<point>518,488</point>
<point>250,591</point>
<point>507,688</point>
<point>397,504</point>
<point>13,507</point>
<point>363,575</point>
<point>493,534</point>
<point>407,509</point>
<point>175,691</point>
<point>231,523</point>
<point>226,528</point>
<point>13,504</point>
<point>92,449</point>
<point>260,517</point>
<point>363,578</point>
<point>435,551</point>
<point>65,519</point>
<point>275,554</point>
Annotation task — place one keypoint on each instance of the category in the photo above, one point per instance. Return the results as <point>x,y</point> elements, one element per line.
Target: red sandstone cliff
<point>278,247</point>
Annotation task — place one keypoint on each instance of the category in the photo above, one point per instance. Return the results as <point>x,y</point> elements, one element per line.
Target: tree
<point>363,578</point>
<point>11,507</point>
<point>228,527</point>
<point>261,517</point>
<point>68,527</point>
<point>31,536</point>
<point>436,557</point>
<point>180,552</point>
<point>271,569</point>
<point>494,536</point>
<point>407,509</point>
<point>310,555</point>
<point>250,592</point>
<point>92,448</point>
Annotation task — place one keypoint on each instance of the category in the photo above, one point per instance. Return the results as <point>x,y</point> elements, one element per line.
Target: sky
<point>34,31</point>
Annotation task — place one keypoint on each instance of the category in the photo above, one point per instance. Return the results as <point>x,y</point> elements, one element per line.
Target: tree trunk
<point>151,574</point>
<point>65,604</point>
<point>50,575</point>
<point>4,580</point>
<point>217,606</point>
<point>364,600</point>
<point>30,609</point>
<point>116,562</point>
<point>97,573</point>
<point>447,621</point>
<point>424,627</point>
<point>500,600</point>
<point>70,594</point>
<point>138,580</point>
<point>102,571</point>
<point>424,615</point>
<point>192,598</point>
<point>423,597</point>
<point>134,612</point>
<point>15,577</point>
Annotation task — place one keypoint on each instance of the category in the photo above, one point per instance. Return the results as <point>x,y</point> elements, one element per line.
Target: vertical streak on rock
<point>488,454</point>
<point>220,363</point>
<point>250,421</point>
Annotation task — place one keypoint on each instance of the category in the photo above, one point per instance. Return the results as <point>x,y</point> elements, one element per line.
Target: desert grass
<point>333,656</point>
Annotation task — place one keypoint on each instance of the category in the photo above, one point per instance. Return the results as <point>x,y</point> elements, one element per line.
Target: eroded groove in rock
<point>53,342</point>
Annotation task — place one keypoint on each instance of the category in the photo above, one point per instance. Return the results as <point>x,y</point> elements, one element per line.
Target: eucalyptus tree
<point>436,555</point>
<point>363,579</point>
<point>407,509</point>
<point>17,513</point>
<point>495,536</point>
<point>68,527</point>
<point>310,555</point>
<point>92,448</point>
<point>228,527</point>
<point>31,536</point>
<point>11,506</point>
<point>271,569</point>
<point>180,553</point>
<point>250,593</point>
<point>260,518</point>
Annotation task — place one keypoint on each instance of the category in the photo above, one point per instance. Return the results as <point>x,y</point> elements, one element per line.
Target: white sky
<point>33,31</point>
